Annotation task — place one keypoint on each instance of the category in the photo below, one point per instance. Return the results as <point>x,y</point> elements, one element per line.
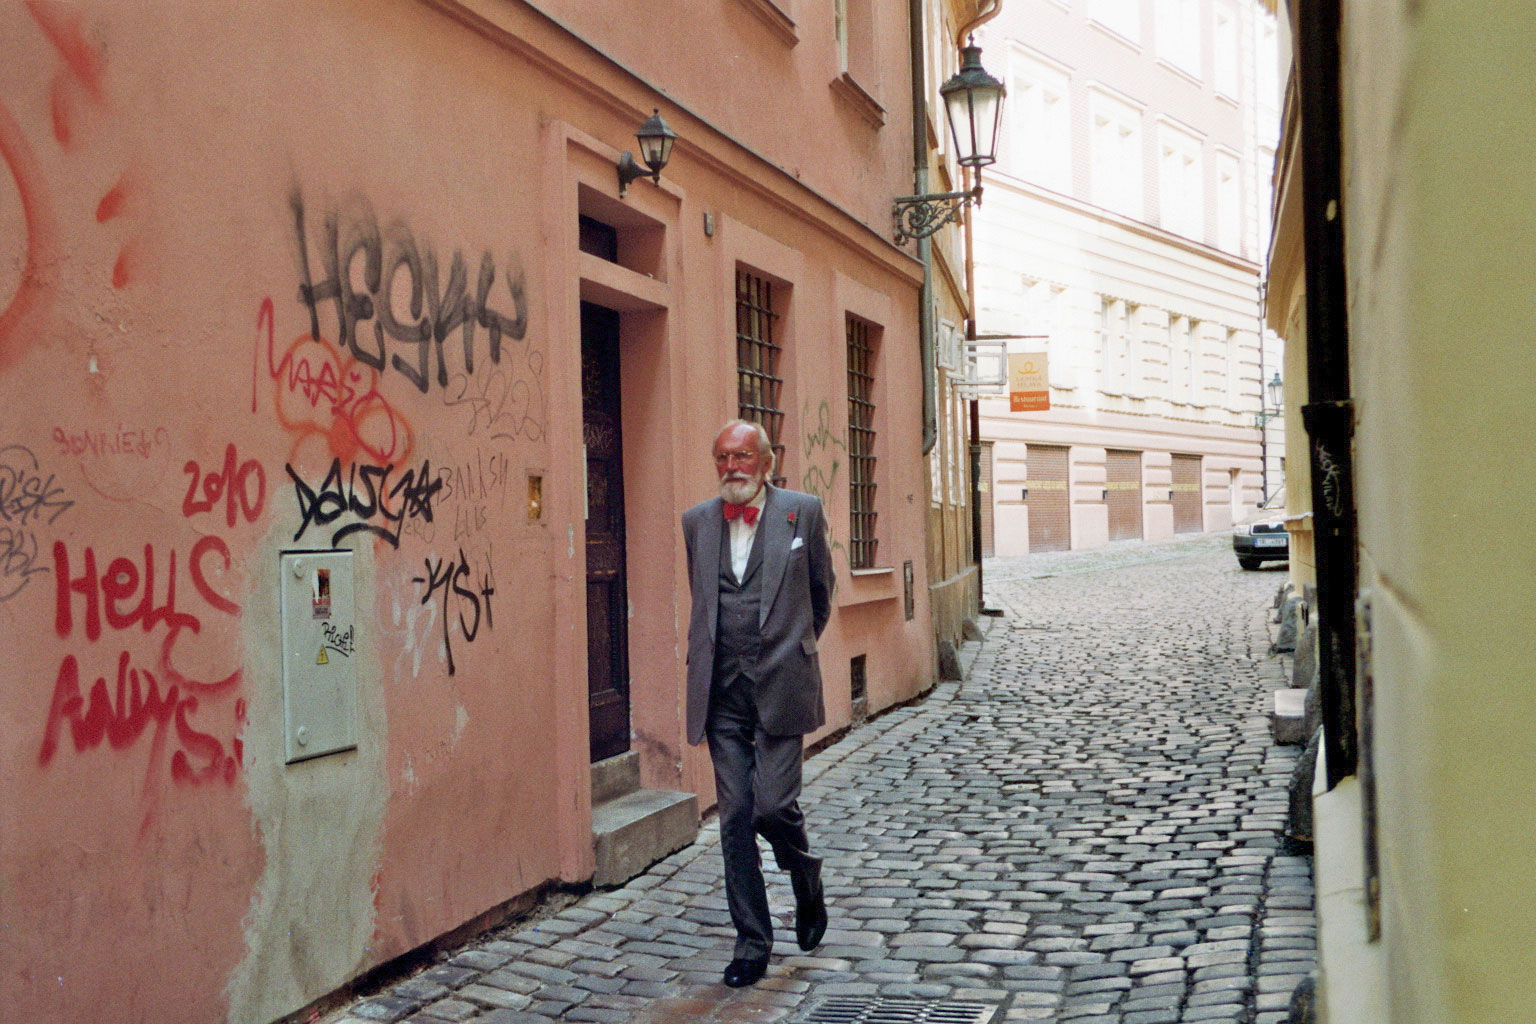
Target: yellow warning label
<point>321,659</point>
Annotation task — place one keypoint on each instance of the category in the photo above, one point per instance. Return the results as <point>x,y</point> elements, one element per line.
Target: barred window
<point>757,362</point>
<point>861,445</point>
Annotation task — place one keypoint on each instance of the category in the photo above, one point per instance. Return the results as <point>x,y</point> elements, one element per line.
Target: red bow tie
<point>747,513</point>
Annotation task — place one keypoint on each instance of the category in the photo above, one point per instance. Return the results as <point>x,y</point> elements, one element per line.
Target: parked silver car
<point>1262,537</point>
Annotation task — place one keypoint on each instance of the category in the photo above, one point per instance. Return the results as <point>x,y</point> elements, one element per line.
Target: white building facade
<point>1121,235</point>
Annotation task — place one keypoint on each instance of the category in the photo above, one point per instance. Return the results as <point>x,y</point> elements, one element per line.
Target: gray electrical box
<point>320,650</point>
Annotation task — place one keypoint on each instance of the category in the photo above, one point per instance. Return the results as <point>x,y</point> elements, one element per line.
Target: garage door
<point>1123,494</point>
<point>1187,503</point>
<point>988,496</point>
<point>1046,496</point>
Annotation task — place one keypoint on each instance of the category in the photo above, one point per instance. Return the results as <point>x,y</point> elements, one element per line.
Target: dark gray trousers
<point>757,783</point>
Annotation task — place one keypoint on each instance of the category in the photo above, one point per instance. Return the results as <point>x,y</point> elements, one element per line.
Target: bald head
<point>744,459</point>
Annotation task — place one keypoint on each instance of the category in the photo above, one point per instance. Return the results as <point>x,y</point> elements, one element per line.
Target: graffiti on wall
<point>124,596</point>
<point>501,407</point>
<point>824,453</point>
<point>464,592</point>
<point>365,499</point>
<point>241,487</point>
<point>195,715</point>
<point>477,488</point>
<point>76,92</point>
<point>326,395</point>
<point>393,308</point>
<point>29,499</point>
<point>129,442</point>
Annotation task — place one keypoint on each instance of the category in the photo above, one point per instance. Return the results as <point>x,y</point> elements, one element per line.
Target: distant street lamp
<point>973,105</point>
<point>1261,420</point>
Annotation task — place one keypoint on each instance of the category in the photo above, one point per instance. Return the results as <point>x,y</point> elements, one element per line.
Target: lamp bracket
<point>983,354</point>
<point>630,169</point>
<point>920,216</point>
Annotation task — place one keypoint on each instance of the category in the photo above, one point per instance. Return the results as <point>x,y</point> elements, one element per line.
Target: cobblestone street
<point>1087,829</point>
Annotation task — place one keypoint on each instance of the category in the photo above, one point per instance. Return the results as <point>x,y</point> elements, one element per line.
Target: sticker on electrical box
<point>322,595</point>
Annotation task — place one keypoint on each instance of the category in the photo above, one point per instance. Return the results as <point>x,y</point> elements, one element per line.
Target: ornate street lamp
<point>973,105</point>
<point>1276,391</point>
<point>655,139</point>
<point>1261,420</point>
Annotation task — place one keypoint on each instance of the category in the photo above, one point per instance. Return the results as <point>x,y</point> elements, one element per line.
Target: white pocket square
<point>796,543</point>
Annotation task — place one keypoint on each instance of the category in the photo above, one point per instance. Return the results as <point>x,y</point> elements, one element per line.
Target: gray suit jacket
<point>797,582</point>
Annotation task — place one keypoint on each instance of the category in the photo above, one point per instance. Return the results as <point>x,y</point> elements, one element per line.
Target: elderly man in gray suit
<point>762,579</point>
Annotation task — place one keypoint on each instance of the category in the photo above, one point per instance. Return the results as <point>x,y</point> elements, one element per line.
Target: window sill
<point>851,92</point>
<point>1173,66</point>
<point>772,14</point>
<point>866,586</point>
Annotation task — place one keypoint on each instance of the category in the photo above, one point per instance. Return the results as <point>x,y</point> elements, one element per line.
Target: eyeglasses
<point>741,457</point>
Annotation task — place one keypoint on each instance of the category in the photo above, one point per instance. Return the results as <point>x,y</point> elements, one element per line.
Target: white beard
<point>740,490</point>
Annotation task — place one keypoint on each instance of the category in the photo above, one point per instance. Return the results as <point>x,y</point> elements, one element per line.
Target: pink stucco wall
<point>187,190</point>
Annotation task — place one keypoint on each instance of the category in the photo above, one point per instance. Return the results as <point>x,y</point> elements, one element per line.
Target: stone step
<point>615,776</point>
<point>634,831</point>
<point>1288,719</point>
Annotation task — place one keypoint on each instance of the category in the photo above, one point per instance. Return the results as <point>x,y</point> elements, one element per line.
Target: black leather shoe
<point>742,973</point>
<point>811,915</point>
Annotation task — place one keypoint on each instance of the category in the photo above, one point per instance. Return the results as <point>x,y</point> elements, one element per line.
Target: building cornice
<point>1103,216</point>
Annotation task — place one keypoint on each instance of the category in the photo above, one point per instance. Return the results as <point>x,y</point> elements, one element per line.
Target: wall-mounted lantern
<point>1276,391</point>
<point>1261,420</point>
<point>655,139</point>
<point>973,105</point>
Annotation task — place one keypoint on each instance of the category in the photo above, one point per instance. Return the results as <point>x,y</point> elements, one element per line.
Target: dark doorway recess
<point>607,595</point>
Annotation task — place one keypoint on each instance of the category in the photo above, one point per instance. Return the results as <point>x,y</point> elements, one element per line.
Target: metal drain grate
<point>882,1010</point>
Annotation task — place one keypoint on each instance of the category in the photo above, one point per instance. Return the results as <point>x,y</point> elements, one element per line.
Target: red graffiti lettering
<point>195,570</point>
<point>321,393</point>
<point>123,596</point>
<point>121,721</point>
<point>119,583</point>
<point>246,486</point>
<point>39,270</point>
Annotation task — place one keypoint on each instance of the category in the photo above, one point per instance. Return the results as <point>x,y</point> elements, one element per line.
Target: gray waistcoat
<point>738,633</point>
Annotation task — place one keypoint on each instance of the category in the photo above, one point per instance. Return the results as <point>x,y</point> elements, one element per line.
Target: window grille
<point>857,680</point>
<point>861,445</point>
<point>757,362</point>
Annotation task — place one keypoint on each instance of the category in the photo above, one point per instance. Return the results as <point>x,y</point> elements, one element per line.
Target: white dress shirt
<point>742,535</point>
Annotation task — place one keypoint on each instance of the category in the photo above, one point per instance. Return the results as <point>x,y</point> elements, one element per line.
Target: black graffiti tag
<point>392,270</point>
<point>28,498</point>
<point>26,495</point>
<point>365,495</point>
<point>446,578</point>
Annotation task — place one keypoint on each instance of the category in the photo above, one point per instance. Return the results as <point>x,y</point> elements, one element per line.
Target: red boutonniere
<point>791,517</point>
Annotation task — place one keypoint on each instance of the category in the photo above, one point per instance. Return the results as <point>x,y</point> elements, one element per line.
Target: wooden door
<point>607,596</point>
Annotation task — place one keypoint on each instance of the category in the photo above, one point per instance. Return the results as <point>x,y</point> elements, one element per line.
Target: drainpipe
<point>926,325</point>
<point>1263,406</point>
<point>1329,413</point>
<point>970,334</point>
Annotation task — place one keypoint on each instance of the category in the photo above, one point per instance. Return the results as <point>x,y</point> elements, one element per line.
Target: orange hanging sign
<point>1028,389</point>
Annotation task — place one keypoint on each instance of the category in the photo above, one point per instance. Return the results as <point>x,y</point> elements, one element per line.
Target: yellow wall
<point>1441,224</point>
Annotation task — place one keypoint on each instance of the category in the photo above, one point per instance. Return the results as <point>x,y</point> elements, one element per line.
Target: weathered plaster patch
<point>312,916</point>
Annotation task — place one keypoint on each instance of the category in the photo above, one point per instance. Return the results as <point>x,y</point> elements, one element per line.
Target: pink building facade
<point>348,413</point>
